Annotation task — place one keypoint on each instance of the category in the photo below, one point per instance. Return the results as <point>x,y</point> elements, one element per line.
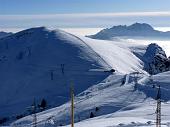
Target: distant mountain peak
<point>140,26</point>
<point>119,27</point>
<point>134,30</point>
<point>135,26</point>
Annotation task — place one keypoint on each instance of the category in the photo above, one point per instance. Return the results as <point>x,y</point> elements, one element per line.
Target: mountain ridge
<point>5,34</point>
<point>134,30</point>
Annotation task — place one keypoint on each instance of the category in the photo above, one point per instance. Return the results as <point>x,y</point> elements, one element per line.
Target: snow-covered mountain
<point>4,34</point>
<point>134,30</point>
<point>109,77</point>
<point>41,64</point>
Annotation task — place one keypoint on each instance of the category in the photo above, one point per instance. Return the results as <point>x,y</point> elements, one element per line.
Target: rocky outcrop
<point>155,59</point>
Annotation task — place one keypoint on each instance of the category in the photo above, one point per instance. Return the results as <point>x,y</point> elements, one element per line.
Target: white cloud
<point>14,30</point>
<point>164,29</point>
<point>87,20</point>
<point>82,31</point>
<point>84,15</point>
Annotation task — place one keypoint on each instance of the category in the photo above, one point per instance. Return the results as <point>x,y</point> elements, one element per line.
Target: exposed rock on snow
<point>155,59</point>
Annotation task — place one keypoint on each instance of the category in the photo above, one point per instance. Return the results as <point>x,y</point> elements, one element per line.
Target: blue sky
<point>80,6</point>
<point>19,14</point>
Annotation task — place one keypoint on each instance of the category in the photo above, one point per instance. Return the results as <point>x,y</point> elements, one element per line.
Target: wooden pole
<point>72,106</point>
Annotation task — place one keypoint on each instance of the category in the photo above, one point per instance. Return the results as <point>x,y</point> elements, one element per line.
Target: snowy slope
<point>30,57</point>
<point>125,104</point>
<point>109,96</point>
<point>138,114</point>
<point>119,57</point>
<point>32,67</point>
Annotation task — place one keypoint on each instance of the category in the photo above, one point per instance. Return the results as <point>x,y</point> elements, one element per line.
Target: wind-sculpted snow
<point>117,56</point>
